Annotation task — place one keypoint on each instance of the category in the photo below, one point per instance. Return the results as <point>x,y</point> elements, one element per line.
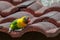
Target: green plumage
<point>14,25</point>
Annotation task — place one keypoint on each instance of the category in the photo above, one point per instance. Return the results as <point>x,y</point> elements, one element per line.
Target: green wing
<point>13,25</point>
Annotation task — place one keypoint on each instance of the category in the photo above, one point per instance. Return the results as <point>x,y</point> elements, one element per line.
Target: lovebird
<point>19,23</point>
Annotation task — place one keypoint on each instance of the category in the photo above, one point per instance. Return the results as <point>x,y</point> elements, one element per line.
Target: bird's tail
<point>9,30</point>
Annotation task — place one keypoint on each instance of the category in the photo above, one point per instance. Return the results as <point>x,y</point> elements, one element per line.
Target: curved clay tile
<point>35,6</point>
<point>52,17</point>
<point>5,5</point>
<point>4,20</point>
<point>14,16</point>
<point>44,10</point>
<point>52,9</point>
<point>16,8</point>
<point>43,17</point>
<point>16,2</point>
<point>46,28</point>
<point>28,10</point>
<point>20,14</point>
<point>8,11</point>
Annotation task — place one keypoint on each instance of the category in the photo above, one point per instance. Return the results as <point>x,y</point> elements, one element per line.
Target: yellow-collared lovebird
<point>20,23</point>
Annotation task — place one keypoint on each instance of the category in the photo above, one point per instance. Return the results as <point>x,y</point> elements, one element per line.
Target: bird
<point>19,23</point>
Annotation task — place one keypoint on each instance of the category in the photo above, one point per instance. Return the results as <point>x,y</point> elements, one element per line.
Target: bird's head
<point>23,21</point>
<point>26,19</point>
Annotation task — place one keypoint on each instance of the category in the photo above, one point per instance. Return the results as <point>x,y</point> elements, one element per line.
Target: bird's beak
<point>28,20</point>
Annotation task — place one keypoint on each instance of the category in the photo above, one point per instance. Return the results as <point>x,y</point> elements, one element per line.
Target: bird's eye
<point>26,20</point>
